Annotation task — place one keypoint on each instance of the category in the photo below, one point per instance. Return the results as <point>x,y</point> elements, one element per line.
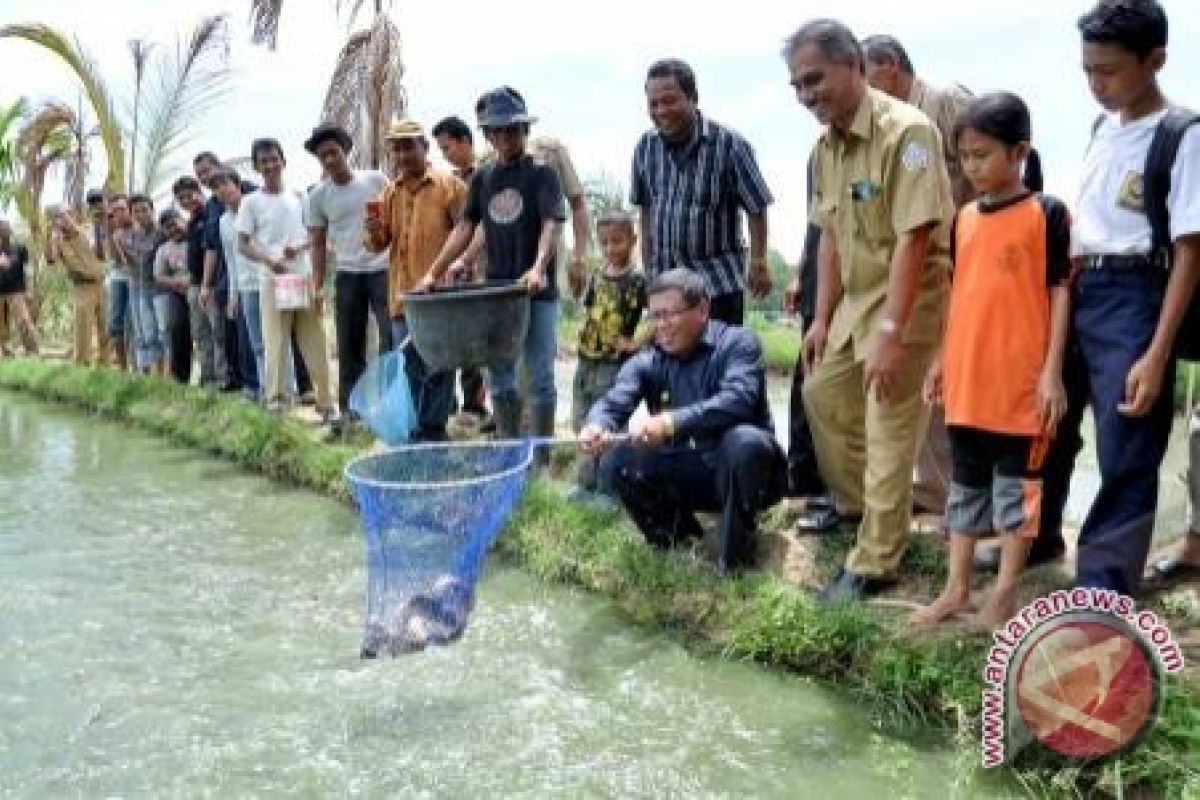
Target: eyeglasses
<point>669,314</point>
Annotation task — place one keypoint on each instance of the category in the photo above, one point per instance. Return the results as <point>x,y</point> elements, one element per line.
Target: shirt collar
<point>917,93</point>
<point>411,185</point>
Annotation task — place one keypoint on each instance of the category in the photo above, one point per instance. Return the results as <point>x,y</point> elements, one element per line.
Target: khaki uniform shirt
<point>885,177</point>
<point>418,217</point>
<point>78,256</point>
<point>944,106</point>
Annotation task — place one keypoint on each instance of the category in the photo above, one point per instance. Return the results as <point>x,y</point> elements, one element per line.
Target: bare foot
<point>997,610</point>
<point>950,603</point>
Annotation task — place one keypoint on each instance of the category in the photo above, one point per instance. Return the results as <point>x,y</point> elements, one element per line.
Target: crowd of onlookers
<point>957,320</point>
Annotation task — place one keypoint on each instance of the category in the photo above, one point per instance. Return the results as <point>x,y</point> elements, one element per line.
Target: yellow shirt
<point>418,217</point>
<point>884,177</point>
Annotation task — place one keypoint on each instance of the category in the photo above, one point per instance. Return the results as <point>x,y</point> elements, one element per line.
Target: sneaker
<point>275,406</point>
<point>309,398</point>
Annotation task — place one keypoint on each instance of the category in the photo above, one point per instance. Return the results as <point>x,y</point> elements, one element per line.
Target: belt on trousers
<point>1121,262</point>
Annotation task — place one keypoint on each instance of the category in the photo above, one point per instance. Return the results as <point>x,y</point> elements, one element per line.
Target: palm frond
<point>344,98</point>
<point>188,83</point>
<point>384,92</point>
<point>264,21</point>
<point>72,52</point>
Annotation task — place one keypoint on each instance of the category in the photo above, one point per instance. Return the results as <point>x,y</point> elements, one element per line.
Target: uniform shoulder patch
<point>915,156</point>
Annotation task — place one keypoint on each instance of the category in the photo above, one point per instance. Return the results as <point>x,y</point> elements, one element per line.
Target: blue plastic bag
<point>383,399</point>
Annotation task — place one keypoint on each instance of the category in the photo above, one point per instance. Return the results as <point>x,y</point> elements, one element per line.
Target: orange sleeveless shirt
<point>998,329</point>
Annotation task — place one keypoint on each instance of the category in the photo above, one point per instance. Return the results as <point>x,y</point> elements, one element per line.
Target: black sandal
<point>1170,570</point>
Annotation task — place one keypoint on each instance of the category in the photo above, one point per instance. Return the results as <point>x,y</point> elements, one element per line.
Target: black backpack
<point>1156,185</point>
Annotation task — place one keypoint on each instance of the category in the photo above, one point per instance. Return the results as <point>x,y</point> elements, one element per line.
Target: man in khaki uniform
<point>890,70</point>
<point>882,199</point>
<point>70,247</point>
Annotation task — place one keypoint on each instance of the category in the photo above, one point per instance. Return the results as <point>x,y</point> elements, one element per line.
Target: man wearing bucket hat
<point>519,202</point>
<point>415,215</point>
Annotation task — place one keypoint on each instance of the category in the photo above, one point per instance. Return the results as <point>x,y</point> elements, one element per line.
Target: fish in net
<point>430,512</point>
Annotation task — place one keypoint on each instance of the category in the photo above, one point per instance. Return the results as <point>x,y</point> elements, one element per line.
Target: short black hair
<point>687,282</point>
<point>95,196</point>
<point>117,196</point>
<point>1139,26</point>
<point>185,183</point>
<point>134,199</point>
<point>836,42</point>
<point>881,47</point>
<point>169,214</point>
<point>1003,116</point>
<point>265,145</point>
<point>327,132</point>
<point>226,173</point>
<point>206,155</point>
<point>455,128</point>
<point>616,219</point>
<point>681,71</point>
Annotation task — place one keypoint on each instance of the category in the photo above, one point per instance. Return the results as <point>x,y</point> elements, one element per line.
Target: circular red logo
<point>1086,686</point>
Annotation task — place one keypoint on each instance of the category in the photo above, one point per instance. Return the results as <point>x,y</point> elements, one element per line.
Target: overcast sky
<point>581,67</point>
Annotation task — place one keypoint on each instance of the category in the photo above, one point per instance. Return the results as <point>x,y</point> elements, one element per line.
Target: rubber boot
<point>507,413</point>
<point>542,419</point>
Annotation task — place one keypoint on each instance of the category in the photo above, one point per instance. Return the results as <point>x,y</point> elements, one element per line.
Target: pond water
<point>171,625</point>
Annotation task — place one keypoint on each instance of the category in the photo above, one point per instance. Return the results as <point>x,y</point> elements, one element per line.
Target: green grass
<point>931,681</point>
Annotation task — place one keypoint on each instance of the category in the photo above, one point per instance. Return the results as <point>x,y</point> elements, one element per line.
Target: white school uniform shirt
<point>1110,216</point>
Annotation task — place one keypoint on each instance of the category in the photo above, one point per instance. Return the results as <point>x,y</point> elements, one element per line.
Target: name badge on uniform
<point>1131,196</point>
<point>863,190</point>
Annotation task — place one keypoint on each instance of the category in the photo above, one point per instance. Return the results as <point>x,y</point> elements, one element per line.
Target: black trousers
<point>660,489</point>
<point>359,295</point>
<point>179,335</point>
<point>804,478</point>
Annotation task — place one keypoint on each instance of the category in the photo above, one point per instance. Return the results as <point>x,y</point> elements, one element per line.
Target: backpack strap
<point>1156,179</point>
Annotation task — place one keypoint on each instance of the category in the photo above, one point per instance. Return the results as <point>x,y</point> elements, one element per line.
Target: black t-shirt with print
<point>512,201</point>
<point>12,277</point>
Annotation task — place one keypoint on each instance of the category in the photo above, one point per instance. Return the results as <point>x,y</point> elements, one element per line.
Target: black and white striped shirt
<point>694,194</point>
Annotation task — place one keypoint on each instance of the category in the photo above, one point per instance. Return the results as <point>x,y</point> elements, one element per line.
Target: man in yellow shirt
<point>882,198</point>
<point>417,212</point>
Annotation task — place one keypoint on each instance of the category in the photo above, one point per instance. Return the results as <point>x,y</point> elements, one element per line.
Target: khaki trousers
<point>14,308</point>
<point>91,325</point>
<point>279,327</point>
<point>933,465</point>
<point>866,450</point>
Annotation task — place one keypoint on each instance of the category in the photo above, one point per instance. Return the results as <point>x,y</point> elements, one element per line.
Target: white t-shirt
<point>1110,216</point>
<point>244,275</point>
<point>275,221</point>
<point>341,210</point>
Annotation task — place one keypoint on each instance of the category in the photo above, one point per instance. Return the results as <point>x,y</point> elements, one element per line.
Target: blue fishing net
<point>429,514</point>
<point>382,398</point>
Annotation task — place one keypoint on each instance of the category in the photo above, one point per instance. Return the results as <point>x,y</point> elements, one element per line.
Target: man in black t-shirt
<point>519,202</point>
<point>14,305</point>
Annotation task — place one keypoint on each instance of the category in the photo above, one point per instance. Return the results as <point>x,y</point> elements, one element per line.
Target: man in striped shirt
<point>692,178</point>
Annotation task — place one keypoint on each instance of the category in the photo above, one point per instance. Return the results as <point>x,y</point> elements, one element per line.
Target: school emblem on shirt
<point>1131,196</point>
<point>506,206</point>
<point>915,156</point>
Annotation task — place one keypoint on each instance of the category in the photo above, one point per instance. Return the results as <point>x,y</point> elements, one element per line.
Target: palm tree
<point>365,91</point>
<point>46,140</point>
<point>188,81</point>
<point>11,117</point>
<point>71,50</point>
